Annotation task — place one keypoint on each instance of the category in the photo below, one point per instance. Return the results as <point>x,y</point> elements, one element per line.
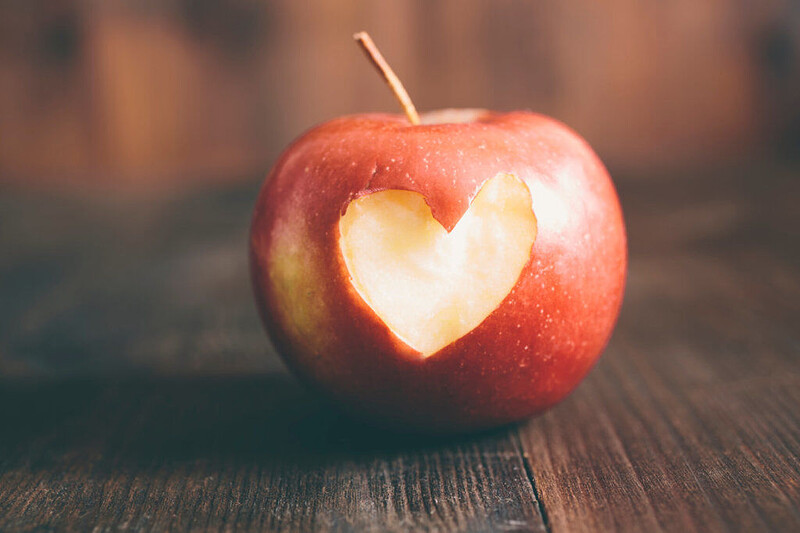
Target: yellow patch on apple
<point>431,287</point>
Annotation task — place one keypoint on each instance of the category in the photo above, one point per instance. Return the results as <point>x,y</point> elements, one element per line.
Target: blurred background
<point>134,135</point>
<point>137,388</point>
<point>180,91</point>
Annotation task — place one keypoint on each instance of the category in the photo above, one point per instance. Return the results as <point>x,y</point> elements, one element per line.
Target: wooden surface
<point>138,392</point>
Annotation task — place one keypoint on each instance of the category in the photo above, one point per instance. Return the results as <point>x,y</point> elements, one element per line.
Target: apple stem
<point>375,56</point>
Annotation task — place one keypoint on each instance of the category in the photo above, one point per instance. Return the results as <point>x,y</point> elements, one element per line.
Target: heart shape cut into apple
<point>428,286</point>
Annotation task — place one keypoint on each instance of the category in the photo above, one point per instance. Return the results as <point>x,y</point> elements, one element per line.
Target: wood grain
<point>250,453</point>
<point>690,422</point>
<point>136,392</point>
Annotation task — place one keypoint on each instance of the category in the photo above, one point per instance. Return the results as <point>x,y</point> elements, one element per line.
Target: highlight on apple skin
<point>455,275</point>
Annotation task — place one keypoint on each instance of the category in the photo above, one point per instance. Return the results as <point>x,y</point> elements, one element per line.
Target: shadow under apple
<point>258,420</point>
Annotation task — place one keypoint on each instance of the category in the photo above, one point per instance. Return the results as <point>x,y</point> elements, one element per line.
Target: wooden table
<point>138,392</point>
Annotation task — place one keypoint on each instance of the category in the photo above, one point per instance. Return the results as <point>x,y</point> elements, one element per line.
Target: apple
<point>457,274</point>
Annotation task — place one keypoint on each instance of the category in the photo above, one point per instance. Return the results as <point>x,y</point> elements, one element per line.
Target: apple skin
<point>527,355</point>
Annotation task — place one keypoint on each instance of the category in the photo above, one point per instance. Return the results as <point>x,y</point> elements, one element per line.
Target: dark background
<point>138,390</point>
<point>187,90</point>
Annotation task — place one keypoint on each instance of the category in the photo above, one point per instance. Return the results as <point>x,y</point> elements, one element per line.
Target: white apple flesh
<point>429,286</point>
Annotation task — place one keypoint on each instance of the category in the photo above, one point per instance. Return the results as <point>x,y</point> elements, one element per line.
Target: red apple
<point>454,275</point>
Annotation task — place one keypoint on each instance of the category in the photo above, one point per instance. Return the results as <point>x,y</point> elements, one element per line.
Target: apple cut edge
<point>430,287</point>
